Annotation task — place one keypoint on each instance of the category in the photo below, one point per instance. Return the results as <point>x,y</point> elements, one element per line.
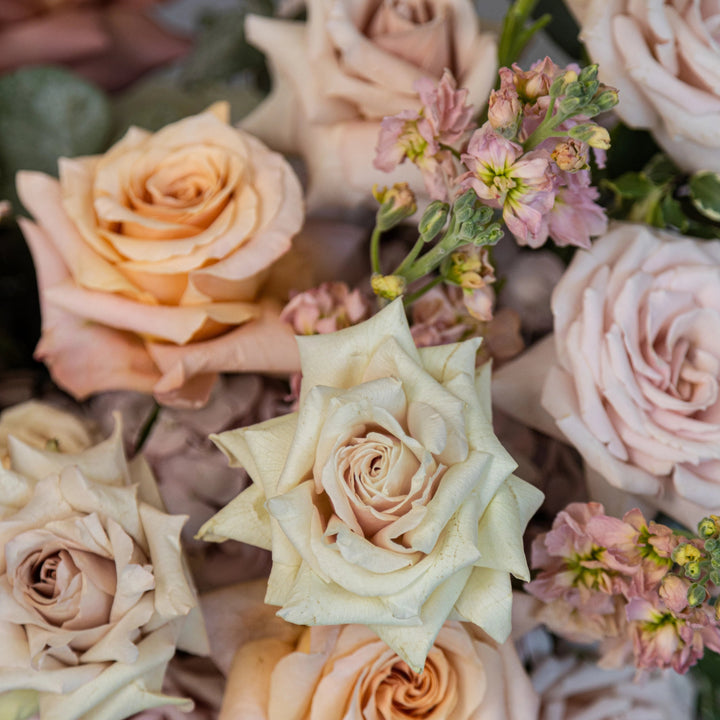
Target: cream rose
<point>151,257</point>
<point>664,58</point>
<point>386,499</point>
<point>634,379</point>
<point>94,596</point>
<point>336,76</point>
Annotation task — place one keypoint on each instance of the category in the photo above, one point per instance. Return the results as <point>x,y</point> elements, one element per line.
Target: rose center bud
<point>400,692</point>
<point>416,31</point>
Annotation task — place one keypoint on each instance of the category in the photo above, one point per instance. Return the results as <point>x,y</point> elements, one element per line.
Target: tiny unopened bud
<point>465,206</point>
<point>707,529</point>
<point>433,219</point>
<point>570,105</point>
<point>388,286</point>
<point>588,73</point>
<point>685,553</point>
<point>696,595</point>
<point>693,570</point>
<point>570,155</point>
<point>594,135</point>
<point>606,98</point>
<point>505,111</point>
<point>714,577</point>
<point>396,204</point>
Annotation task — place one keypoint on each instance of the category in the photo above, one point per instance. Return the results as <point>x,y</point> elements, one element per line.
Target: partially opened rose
<point>151,259</point>
<point>664,59</point>
<point>386,499</point>
<point>634,379</point>
<point>94,595</point>
<point>346,672</point>
<point>336,76</point>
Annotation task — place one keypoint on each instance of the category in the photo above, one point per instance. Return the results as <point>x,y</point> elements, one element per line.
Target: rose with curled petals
<point>152,260</point>
<point>663,56</point>
<point>635,381</point>
<point>386,500</point>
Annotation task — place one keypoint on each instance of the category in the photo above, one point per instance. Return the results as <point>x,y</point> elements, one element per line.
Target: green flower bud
<point>707,528</point>
<point>714,577</point>
<point>606,99</point>
<point>465,206</point>
<point>696,595</point>
<point>388,286</point>
<point>685,553</point>
<point>693,570</point>
<point>570,105</point>
<point>589,73</point>
<point>433,219</point>
<point>396,204</point>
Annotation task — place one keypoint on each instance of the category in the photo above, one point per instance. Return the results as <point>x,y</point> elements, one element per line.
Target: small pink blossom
<point>324,309</point>
<point>421,136</point>
<point>505,110</point>
<point>522,185</point>
<point>533,83</point>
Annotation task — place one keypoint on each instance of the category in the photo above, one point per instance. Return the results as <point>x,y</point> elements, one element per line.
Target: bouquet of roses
<point>363,364</point>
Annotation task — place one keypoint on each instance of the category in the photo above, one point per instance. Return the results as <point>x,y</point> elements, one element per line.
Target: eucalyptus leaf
<point>705,194</point>
<point>47,113</point>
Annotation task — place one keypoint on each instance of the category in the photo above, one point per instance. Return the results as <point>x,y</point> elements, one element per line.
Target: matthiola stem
<point>515,36</point>
<point>375,249</point>
<point>412,297</point>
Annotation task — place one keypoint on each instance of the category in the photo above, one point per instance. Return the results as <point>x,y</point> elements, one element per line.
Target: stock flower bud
<point>433,219</point>
<point>685,553</point>
<point>388,286</point>
<point>396,204</point>
<point>470,268</point>
<point>591,133</point>
<point>696,595</point>
<point>606,98</point>
<point>693,570</point>
<point>707,528</point>
<point>570,155</point>
<point>505,111</point>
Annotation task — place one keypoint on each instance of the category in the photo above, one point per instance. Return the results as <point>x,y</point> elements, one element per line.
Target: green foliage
<point>46,113</point>
<point>705,194</point>
<point>516,33</point>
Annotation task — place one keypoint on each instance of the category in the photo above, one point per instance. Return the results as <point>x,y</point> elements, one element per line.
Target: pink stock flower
<point>666,632</point>
<point>533,83</point>
<point>331,306</point>
<point>505,110</point>
<point>420,136</point>
<point>521,184</point>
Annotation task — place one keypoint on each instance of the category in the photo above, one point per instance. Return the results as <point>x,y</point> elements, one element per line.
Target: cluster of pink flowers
<point>543,189</point>
<point>327,308</point>
<point>613,580</point>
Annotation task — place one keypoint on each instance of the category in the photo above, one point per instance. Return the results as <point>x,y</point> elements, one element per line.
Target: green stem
<point>147,427</point>
<point>432,258</point>
<point>405,265</point>
<point>546,128</point>
<point>375,249</point>
<point>410,299</point>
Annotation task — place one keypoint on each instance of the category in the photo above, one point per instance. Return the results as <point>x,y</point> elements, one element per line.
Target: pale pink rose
<point>336,76</point>
<point>663,58</point>
<point>111,43</point>
<point>94,594</point>
<point>346,671</point>
<point>151,260</point>
<point>574,689</point>
<point>635,383</point>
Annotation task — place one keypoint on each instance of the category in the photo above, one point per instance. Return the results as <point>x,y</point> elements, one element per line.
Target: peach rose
<point>634,379</point>
<point>111,43</point>
<point>664,59</point>
<point>325,673</point>
<point>150,259</point>
<point>336,76</point>
<point>94,596</point>
<point>386,499</point>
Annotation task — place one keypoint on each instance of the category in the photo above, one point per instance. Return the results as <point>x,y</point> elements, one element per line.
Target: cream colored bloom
<point>152,258</point>
<point>664,58</point>
<point>386,499</point>
<point>336,76</point>
<point>94,596</point>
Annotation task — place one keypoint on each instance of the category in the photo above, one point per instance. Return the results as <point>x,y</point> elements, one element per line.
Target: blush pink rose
<point>153,259</point>
<point>636,382</point>
<point>111,43</point>
<point>664,58</point>
<point>336,77</point>
<point>345,671</point>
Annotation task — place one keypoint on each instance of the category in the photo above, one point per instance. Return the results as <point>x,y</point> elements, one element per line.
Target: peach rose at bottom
<point>345,671</point>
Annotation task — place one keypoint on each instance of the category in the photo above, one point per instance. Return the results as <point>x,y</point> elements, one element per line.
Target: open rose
<point>336,76</point>
<point>634,381</point>
<point>277,670</point>
<point>150,259</point>
<point>664,59</point>
<point>94,596</point>
<point>111,43</point>
<point>386,499</point>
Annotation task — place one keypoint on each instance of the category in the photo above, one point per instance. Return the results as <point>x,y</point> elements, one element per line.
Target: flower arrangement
<point>362,364</point>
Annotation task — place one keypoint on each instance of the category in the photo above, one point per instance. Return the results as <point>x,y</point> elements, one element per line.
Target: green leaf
<point>661,169</point>
<point>673,215</point>
<point>46,113</point>
<point>705,194</point>
<point>221,50</point>
<point>634,186</point>
<point>154,103</point>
